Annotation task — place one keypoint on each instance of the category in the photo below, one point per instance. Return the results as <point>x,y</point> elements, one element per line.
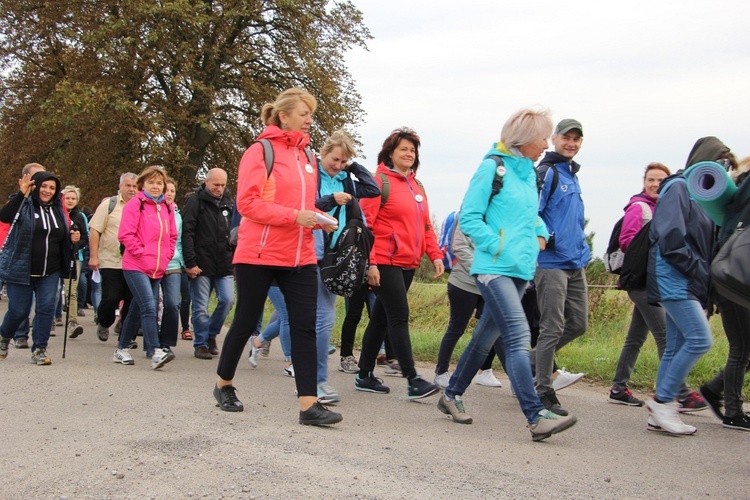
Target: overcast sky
<point>645,79</point>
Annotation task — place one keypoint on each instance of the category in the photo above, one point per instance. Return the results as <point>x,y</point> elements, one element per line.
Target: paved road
<point>85,427</point>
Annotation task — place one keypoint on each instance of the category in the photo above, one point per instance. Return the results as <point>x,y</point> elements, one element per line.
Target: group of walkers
<point>520,247</point>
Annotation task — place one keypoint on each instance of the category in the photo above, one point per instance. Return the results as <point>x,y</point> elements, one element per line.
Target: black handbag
<point>730,269</point>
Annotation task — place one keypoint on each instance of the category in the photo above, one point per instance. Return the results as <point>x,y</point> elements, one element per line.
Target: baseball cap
<point>567,125</point>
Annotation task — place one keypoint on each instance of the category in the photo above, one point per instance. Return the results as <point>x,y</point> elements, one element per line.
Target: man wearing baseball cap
<point>560,277</point>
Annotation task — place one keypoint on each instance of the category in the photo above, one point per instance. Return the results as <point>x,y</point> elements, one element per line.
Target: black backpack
<point>613,257</point>
<point>635,262</point>
<point>344,267</point>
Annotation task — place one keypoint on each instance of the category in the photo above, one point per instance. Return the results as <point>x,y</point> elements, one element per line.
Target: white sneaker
<point>254,353</point>
<point>161,358</point>
<point>565,379</point>
<point>442,380</point>
<point>289,371</point>
<point>123,357</point>
<point>665,417</point>
<point>487,379</point>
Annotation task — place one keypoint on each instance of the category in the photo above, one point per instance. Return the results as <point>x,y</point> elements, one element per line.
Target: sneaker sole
<point>77,331</point>
<point>691,410</point>
<point>124,361</point>
<point>167,359</point>
<point>625,403</point>
<point>568,425</point>
<point>425,395</point>
<point>441,406</point>
<point>42,363</point>
<point>736,427</point>
<point>329,400</point>
<point>353,370</point>
<point>366,389</point>
<point>327,421</point>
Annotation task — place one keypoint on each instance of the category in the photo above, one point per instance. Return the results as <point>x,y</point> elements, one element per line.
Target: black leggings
<point>389,314</point>
<point>300,288</point>
<point>114,289</point>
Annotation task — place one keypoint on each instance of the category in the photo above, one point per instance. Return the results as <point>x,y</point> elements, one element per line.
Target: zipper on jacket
<point>419,207</point>
<point>158,240</point>
<point>300,233</point>
<point>501,233</point>
<point>263,238</point>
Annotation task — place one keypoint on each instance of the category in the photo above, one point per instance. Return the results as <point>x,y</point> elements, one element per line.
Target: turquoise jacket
<point>177,261</point>
<point>505,228</point>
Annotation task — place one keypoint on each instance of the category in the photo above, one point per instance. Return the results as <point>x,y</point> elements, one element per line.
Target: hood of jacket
<point>706,149</point>
<point>290,138</point>
<point>553,157</point>
<point>38,179</point>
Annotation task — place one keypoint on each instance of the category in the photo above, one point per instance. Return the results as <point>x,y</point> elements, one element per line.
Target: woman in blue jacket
<point>678,279</point>
<point>507,234</point>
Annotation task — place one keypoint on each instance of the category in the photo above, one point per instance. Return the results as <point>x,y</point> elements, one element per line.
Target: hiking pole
<point>73,227</point>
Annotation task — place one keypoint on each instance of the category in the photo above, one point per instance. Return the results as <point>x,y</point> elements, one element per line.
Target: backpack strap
<point>385,189</point>
<point>112,204</point>
<point>267,155</point>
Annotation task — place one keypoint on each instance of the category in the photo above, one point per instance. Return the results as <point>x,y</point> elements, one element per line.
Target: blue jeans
<point>280,327</point>
<point>504,325</point>
<point>20,300</point>
<point>170,316</point>
<point>325,317</point>
<point>205,327</point>
<point>142,311</point>
<point>96,294</point>
<point>688,338</point>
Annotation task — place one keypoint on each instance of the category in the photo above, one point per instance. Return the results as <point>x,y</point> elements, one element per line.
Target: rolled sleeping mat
<point>709,183</point>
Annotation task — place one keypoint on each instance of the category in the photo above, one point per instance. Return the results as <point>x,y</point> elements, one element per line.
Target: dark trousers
<point>736,322</point>
<point>184,301</point>
<point>462,306</point>
<point>390,314</point>
<point>300,289</point>
<point>114,289</point>
<point>355,305</point>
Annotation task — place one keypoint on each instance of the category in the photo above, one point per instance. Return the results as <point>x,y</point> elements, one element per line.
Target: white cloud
<point>646,79</point>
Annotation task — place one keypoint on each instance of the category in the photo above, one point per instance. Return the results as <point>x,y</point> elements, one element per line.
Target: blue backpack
<point>446,240</point>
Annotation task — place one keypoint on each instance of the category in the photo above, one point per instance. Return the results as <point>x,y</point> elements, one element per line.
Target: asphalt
<point>85,427</point>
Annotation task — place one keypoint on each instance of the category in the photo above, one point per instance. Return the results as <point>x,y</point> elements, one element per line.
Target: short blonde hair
<point>286,102</point>
<point>72,189</point>
<point>152,171</point>
<point>525,126</point>
<point>339,139</point>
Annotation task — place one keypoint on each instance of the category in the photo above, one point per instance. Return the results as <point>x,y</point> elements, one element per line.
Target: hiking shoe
<point>289,370</point>
<point>226,397</point>
<point>4,344</point>
<point>454,408</point>
<point>487,379</point>
<point>420,388</point>
<point>254,353</point>
<point>392,368</point>
<point>59,322</point>
<point>21,343</point>
<point>318,414</point>
<point>692,402</point>
<point>75,329</point>
<point>327,394</point>
<point>81,313</point>
<point>102,333</point>
<point>39,357</point>
<point>348,365</point>
<point>550,402</point>
<point>331,349</point>
<point>265,350</point>
<point>201,352</point>
<point>381,360</point>
<point>740,422</point>
<point>442,380</point>
<point>118,326</point>
<point>161,358</point>
<point>666,416</point>
<point>712,400</point>
<point>370,384</point>
<point>565,379</point>
<point>213,347</point>
<point>52,331</point>
<point>624,397</point>
<point>123,357</point>
<point>550,423</point>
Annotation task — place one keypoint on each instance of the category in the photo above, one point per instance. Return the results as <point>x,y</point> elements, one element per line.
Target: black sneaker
<point>550,402</point>
<point>133,345</point>
<point>370,384</point>
<point>740,422</point>
<point>624,397</point>
<point>318,414</point>
<point>226,398</point>
<point>712,400</point>
<point>420,388</point>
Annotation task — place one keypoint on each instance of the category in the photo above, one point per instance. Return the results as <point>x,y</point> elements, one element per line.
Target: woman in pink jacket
<point>275,244</point>
<point>148,234</point>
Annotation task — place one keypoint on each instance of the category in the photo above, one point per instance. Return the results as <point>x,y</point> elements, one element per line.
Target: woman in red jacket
<point>400,221</point>
<point>275,244</point>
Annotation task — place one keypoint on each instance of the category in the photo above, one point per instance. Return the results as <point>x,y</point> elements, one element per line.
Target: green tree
<point>93,88</point>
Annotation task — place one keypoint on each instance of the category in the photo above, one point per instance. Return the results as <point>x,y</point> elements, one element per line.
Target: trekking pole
<point>73,227</point>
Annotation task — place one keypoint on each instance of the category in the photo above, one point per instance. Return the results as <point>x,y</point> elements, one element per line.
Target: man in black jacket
<point>206,222</point>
